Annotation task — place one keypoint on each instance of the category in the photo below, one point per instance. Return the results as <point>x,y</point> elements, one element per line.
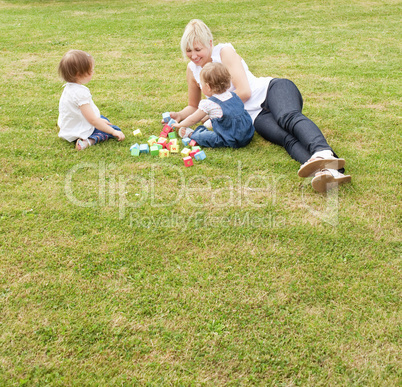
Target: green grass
<point>117,270</point>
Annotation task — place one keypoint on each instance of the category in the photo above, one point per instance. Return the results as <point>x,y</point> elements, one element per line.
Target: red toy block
<point>167,129</point>
<point>193,152</point>
<point>192,143</point>
<point>162,141</point>
<point>188,161</point>
<point>163,134</point>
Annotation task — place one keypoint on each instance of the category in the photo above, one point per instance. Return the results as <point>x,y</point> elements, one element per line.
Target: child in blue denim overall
<point>79,118</point>
<point>231,123</point>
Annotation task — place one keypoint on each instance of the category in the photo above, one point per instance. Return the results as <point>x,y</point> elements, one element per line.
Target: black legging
<point>281,122</point>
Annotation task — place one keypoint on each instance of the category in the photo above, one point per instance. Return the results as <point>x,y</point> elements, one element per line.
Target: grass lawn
<point>121,270</point>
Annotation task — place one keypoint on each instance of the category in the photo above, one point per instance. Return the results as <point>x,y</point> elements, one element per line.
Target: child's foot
<point>185,132</point>
<point>328,179</point>
<point>82,144</point>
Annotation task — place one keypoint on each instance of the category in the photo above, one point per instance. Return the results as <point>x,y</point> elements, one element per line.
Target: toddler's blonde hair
<point>75,63</point>
<point>217,76</point>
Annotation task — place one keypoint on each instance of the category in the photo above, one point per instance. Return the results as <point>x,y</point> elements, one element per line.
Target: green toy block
<point>154,150</point>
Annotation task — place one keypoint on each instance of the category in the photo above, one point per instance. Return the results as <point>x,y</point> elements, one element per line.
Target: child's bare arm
<point>191,120</point>
<point>100,123</point>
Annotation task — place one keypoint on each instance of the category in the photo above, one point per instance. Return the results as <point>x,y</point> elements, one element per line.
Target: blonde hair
<point>75,63</point>
<point>217,76</point>
<point>196,31</point>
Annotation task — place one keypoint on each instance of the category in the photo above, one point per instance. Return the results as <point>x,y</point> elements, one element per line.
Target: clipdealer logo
<point>145,188</point>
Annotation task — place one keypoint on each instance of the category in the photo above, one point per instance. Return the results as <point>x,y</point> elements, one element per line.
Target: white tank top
<point>258,86</point>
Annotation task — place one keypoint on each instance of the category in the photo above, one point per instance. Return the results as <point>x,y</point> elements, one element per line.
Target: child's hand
<point>119,135</point>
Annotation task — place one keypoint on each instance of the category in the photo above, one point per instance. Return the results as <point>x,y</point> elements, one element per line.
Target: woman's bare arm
<point>232,61</point>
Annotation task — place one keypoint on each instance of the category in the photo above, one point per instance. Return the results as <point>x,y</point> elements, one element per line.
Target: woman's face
<point>199,55</point>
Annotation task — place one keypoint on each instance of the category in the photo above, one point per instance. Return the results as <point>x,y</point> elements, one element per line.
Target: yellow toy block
<point>137,132</point>
<point>163,153</point>
<point>151,141</point>
<point>174,148</point>
<point>185,152</point>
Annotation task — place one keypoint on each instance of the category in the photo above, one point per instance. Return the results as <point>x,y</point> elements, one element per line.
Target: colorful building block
<point>171,122</point>
<point>172,135</point>
<point>163,134</point>
<point>195,147</point>
<point>135,150</point>
<point>188,161</point>
<point>162,141</point>
<point>200,155</point>
<point>192,143</point>
<point>163,153</point>
<point>134,146</point>
<point>185,152</point>
<point>144,148</point>
<point>153,137</point>
<point>159,146</point>
<point>154,150</point>
<point>151,142</point>
<point>166,116</point>
<point>137,133</point>
<point>174,148</point>
<point>171,142</point>
<point>167,129</point>
<point>193,152</point>
<point>186,141</point>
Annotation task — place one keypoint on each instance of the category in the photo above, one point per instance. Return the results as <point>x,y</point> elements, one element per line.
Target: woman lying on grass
<point>275,106</point>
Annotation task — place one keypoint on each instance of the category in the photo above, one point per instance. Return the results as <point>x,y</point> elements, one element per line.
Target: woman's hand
<point>175,115</point>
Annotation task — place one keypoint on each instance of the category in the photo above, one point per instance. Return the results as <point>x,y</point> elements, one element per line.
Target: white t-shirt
<point>258,86</point>
<point>73,125</point>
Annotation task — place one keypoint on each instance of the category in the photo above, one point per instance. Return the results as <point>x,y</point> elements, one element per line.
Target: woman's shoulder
<point>219,48</point>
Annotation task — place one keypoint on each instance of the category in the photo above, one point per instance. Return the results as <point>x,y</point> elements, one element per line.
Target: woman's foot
<point>82,144</point>
<point>328,179</point>
<point>317,163</point>
<point>185,132</point>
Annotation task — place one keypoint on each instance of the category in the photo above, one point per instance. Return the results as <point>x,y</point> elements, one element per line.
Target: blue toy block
<point>166,116</point>
<point>200,155</point>
<point>186,141</point>
<point>144,148</point>
<point>171,122</point>
<point>136,146</point>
